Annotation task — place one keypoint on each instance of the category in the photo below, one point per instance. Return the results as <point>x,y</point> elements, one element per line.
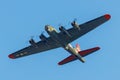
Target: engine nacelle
<point>62,29</point>
<point>75,25</point>
<point>42,37</point>
<point>33,43</point>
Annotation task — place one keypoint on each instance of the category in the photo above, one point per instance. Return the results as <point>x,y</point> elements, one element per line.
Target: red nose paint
<point>11,56</point>
<point>107,16</point>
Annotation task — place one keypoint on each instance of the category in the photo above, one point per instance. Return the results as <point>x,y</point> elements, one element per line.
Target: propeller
<point>29,38</point>
<point>74,21</point>
<point>59,24</point>
<point>42,33</point>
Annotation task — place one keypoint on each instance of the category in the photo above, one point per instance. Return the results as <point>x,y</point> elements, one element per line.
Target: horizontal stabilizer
<point>82,53</point>
<point>68,59</point>
<point>88,51</point>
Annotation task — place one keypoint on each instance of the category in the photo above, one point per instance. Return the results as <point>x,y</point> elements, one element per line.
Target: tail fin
<point>78,47</point>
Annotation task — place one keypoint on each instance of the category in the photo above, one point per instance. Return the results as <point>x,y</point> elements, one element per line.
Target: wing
<point>84,28</point>
<point>82,53</point>
<point>42,46</point>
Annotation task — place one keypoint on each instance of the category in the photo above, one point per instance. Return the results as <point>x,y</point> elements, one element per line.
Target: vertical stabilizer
<point>78,47</point>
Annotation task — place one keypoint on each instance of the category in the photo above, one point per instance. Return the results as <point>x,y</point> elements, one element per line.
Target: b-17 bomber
<point>63,39</point>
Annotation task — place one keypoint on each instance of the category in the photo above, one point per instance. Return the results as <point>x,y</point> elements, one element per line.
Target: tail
<point>82,53</point>
<point>78,47</point>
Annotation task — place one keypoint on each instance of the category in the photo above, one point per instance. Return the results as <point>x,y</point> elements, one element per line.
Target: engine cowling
<point>75,25</point>
<point>62,29</point>
<point>42,37</point>
<point>33,43</point>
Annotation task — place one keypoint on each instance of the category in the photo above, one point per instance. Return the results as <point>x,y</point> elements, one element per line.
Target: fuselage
<point>68,47</point>
<point>53,33</point>
<point>74,51</point>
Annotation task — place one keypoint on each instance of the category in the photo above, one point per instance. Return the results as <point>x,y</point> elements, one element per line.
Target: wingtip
<point>59,63</point>
<point>98,48</point>
<point>11,56</point>
<point>107,16</point>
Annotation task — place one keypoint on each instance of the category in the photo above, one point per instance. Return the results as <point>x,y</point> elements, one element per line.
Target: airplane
<point>63,39</point>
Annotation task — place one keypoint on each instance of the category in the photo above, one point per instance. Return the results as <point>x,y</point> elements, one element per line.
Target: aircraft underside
<point>63,39</point>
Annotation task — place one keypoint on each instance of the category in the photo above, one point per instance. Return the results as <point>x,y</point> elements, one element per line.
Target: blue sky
<point>21,19</point>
